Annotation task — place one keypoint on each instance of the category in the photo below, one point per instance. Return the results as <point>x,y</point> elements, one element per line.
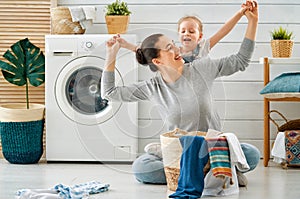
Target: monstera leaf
<point>26,63</point>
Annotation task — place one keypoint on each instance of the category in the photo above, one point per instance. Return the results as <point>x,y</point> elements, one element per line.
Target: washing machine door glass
<point>77,91</point>
<point>83,91</point>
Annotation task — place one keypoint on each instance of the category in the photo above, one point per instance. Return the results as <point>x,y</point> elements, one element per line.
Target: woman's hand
<point>252,16</point>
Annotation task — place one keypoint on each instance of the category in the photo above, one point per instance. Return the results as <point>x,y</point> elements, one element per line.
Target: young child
<point>193,45</point>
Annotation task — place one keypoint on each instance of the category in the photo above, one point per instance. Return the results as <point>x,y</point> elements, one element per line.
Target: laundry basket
<point>61,22</point>
<point>291,129</point>
<point>171,153</point>
<point>22,142</point>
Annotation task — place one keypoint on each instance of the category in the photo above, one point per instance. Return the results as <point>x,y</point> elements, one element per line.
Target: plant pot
<point>282,48</point>
<point>117,24</point>
<point>21,132</point>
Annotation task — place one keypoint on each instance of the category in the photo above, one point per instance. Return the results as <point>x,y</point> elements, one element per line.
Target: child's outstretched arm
<point>228,26</point>
<point>124,44</point>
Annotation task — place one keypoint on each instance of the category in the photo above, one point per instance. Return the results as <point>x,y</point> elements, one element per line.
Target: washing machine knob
<point>88,44</point>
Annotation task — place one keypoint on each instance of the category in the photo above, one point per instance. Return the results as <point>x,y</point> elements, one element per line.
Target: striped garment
<point>219,157</point>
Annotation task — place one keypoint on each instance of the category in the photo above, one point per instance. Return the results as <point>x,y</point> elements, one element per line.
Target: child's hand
<point>123,43</point>
<point>252,14</point>
<point>112,46</point>
<point>248,6</point>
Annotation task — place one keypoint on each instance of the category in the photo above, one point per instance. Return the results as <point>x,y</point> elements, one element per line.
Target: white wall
<point>237,96</point>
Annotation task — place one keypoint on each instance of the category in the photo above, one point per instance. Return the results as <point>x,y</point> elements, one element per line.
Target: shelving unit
<point>266,61</point>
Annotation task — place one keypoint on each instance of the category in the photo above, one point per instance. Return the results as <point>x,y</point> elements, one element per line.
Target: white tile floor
<point>265,182</point>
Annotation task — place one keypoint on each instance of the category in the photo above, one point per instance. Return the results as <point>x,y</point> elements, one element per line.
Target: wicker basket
<point>288,125</point>
<point>22,142</point>
<point>171,152</point>
<point>117,24</point>
<point>61,22</point>
<point>282,48</point>
<point>21,132</point>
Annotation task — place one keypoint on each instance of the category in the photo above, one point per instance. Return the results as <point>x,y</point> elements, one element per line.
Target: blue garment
<point>61,191</point>
<point>81,190</point>
<point>193,160</point>
<point>193,56</point>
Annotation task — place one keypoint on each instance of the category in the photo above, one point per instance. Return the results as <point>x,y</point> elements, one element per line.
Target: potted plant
<point>22,124</point>
<point>117,17</point>
<point>282,44</point>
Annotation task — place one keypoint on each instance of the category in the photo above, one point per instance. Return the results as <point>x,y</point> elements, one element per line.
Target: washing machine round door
<point>77,91</point>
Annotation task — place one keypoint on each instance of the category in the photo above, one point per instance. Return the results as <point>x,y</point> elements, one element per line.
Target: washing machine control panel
<point>90,45</point>
<point>86,46</point>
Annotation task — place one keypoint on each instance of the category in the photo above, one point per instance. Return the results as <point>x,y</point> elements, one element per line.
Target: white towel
<point>77,14</point>
<point>211,133</point>
<point>278,150</point>
<point>90,12</point>
<point>86,24</point>
<point>84,15</point>
<point>37,193</point>
<point>237,155</point>
<point>59,191</point>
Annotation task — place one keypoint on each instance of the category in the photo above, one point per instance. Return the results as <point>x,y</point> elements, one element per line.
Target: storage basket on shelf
<point>61,22</point>
<point>171,153</point>
<point>291,129</point>
<point>282,48</point>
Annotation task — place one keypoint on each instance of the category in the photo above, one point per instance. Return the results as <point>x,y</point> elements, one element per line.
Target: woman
<point>183,91</point>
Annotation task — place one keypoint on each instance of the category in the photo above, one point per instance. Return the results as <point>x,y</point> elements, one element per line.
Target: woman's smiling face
<point>169,53</point>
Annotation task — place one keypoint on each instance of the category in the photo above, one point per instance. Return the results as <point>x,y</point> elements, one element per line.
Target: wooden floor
<point>264,182</point>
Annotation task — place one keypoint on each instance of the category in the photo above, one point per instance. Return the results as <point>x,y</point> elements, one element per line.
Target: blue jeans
<point>150,168</point>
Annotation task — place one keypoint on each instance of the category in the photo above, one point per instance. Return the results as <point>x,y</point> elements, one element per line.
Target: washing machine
<point>80,125</point>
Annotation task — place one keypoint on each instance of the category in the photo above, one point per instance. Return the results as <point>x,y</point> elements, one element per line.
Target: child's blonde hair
<point>194,18</point>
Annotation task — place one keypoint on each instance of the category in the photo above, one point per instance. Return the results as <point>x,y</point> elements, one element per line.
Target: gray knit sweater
<point>187,103</point>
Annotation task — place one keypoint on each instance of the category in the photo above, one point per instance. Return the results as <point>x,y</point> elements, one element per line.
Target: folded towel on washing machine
<point>62,191</point>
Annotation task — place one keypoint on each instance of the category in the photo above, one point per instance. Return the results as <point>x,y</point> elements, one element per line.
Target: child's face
<point>189,34</point>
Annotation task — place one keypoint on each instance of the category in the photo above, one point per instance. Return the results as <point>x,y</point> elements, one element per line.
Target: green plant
<point>281,34</point>
<point>117,8</point>
<point>26,64</point>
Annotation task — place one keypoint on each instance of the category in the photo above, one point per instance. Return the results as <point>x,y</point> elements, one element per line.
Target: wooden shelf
<point>267,61</point>
<point>286,99</point>
<point>285,61</point>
